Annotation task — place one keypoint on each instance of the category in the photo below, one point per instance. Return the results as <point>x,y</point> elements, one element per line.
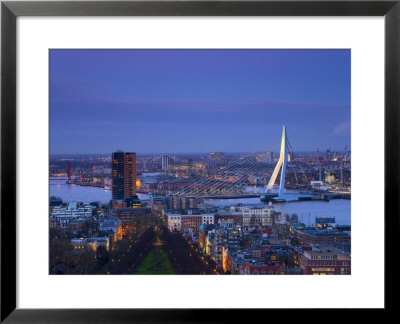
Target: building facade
<point>123,175</point>
<point>335,238</point>
<point>186,220</point>
<point>325,260</point>
<point>128,215</point>
<point>258,216</point>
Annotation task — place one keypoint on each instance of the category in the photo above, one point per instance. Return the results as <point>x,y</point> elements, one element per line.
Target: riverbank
<point>307,211</point>
<point>85,194</point>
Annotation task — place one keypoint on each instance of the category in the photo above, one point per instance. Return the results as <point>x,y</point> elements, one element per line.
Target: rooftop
<point>325,233</point>
<point>318,249</point>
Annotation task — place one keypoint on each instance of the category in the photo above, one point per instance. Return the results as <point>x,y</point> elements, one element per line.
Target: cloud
<point>342,128</point>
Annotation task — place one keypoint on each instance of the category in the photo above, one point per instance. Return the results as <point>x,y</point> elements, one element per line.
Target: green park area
<point>156,262</point>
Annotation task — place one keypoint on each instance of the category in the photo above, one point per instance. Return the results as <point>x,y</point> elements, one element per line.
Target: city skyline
<point>142,154</point>
<point>193,101</point>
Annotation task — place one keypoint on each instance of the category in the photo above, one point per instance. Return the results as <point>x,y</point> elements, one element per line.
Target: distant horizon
<point>182,153</point>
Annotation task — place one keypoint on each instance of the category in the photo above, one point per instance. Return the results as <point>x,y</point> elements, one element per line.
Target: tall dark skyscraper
<point>123,175</point>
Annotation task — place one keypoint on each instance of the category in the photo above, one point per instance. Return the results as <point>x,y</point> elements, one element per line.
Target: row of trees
<point>122,257</point>
<point>133,255</point>
<point>183,257</point>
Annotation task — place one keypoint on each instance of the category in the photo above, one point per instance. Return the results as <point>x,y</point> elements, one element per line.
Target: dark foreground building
<point>325,260</point>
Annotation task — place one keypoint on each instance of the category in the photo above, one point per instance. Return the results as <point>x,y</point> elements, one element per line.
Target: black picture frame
<point>10,10</point>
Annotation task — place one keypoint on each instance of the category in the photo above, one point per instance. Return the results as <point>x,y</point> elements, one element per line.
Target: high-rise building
<point>290,156</point>
<point>218,157</point>
<point>123,175</point>
<point>265,157</point>
<point>269,156</point>
<point>176,202</point>
<point>165,162</point>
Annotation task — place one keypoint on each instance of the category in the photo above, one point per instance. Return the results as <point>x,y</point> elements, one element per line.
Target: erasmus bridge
<point>231,180</point>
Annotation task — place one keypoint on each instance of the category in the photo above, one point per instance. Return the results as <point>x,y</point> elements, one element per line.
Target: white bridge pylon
<point>282,162</point>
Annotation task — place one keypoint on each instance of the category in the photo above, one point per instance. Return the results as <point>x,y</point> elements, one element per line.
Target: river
<point>86,194</point>
<point>306,210</point>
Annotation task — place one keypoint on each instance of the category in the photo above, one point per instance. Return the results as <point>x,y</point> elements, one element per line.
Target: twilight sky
<point>166,101</point>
